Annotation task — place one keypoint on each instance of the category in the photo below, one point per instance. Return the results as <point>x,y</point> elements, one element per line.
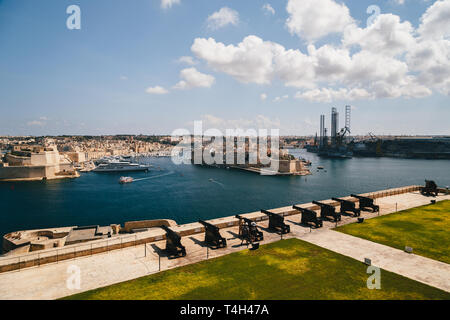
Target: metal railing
<point>29,260</point>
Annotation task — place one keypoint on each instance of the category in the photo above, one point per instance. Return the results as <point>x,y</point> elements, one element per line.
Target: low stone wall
<point>130,225</point>
<point>55,255</point>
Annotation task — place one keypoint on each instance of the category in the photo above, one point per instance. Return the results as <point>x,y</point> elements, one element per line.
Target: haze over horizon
<point>153,66</point>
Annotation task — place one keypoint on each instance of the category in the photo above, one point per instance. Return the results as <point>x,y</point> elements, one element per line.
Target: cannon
<point>276,222</point>
<point>430,188</point>
<point>365,203</point>
<point>309,216</point>
<point>174,248</point>
<point>212,235</point>
<point>347,206</point>
<point>248,231</point>
<point>327,210</point>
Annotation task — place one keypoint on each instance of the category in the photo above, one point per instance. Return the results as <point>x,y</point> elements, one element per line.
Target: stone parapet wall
<point>55,255</point>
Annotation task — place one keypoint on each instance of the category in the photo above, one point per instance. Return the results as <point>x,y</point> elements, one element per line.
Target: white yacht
<point>119,166</point>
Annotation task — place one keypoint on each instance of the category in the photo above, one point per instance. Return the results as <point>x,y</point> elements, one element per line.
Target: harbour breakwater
<point>54,255</point>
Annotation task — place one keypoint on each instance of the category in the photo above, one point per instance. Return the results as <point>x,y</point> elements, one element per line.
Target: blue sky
<point>121,72</point>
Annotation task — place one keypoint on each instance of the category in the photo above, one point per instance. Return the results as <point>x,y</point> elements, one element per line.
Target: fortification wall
<point>12,173</point>
<point>123,241</point>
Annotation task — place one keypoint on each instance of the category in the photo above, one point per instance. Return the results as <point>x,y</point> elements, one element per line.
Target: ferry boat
<point>124,180</point>
<point>118,166</point>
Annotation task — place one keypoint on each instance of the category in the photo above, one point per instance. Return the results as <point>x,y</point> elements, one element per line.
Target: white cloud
<point>263,96</point>
<point>387,59</point>
<point>36,123</point>
<point>166,4</point>
<point>386,35</point>
<point>268,9</point>
<point>156,90</point>
<point>278,99</point>
<point>192,78</point>
<point>313,19</point>
<point>435,22</point>
<point>329,95</point>
<point>187,60</point>
<point>249,61</point>
<point>222,18</point>
<point>123,78</point>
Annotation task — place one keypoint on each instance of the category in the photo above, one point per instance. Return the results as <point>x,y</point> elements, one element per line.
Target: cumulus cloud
<point>387,59</point>
<point>222,18</point>
<point>192,78</point>
<point>156,90</point>
<point>187,60</point>
<point>386,35</point>
<point>268,9</point>
<point>166,4</point>
<point>249,61</point>
<point>313,19</point>
<point>263,96</point>
<point>435,22</point>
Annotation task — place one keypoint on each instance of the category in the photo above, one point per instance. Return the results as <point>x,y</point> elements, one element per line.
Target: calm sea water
<point>187,193</point>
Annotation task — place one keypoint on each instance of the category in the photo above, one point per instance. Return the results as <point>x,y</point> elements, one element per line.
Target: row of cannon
<point>250,234</point>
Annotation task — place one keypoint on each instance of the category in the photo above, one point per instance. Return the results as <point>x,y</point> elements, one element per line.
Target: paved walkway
<point>425,270</point>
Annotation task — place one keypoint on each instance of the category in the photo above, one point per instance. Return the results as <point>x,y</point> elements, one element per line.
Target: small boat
<point>320,167</point>
<point>124,180</point>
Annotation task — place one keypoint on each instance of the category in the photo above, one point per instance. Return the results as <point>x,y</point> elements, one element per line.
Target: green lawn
<point>426,229</point>
<point>287,269</point>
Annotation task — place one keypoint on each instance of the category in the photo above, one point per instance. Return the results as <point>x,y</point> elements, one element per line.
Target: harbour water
<point>187,193</point>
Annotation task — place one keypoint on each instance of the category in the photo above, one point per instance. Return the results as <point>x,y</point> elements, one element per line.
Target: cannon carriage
<point>248,231</point>
<point>430,188</point>
<point>174,248</point>
<point>276,222</point>
<point>212,235</point>
<point>327,210</point>
<point>366,203</point>
<point>348,206</point>
<point>309,217</point>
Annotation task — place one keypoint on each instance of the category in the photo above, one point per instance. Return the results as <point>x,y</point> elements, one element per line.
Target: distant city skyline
<point>153,66</point>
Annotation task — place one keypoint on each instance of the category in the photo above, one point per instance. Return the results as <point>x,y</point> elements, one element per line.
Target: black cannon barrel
<point>208,225</point>
<point>244,218</point>
<point>276,222</point>
<point>321,204</point>
<point>212,235</point>
<point>309,216</point>
<point>430,188</point>
<point>327,210</point>
<point>171,234</point>
<point>303,209</point>
<point>347,205</point>
<point>360,197</point>
<point>173,243</point>
<point>269,213</point>
<point>366,202</point>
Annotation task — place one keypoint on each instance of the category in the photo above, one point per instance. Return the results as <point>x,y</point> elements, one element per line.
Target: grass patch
<point>287,269</point>
<point>425,229</point>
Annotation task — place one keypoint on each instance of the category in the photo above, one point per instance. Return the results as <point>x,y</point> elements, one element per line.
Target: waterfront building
<point>35,162</point>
